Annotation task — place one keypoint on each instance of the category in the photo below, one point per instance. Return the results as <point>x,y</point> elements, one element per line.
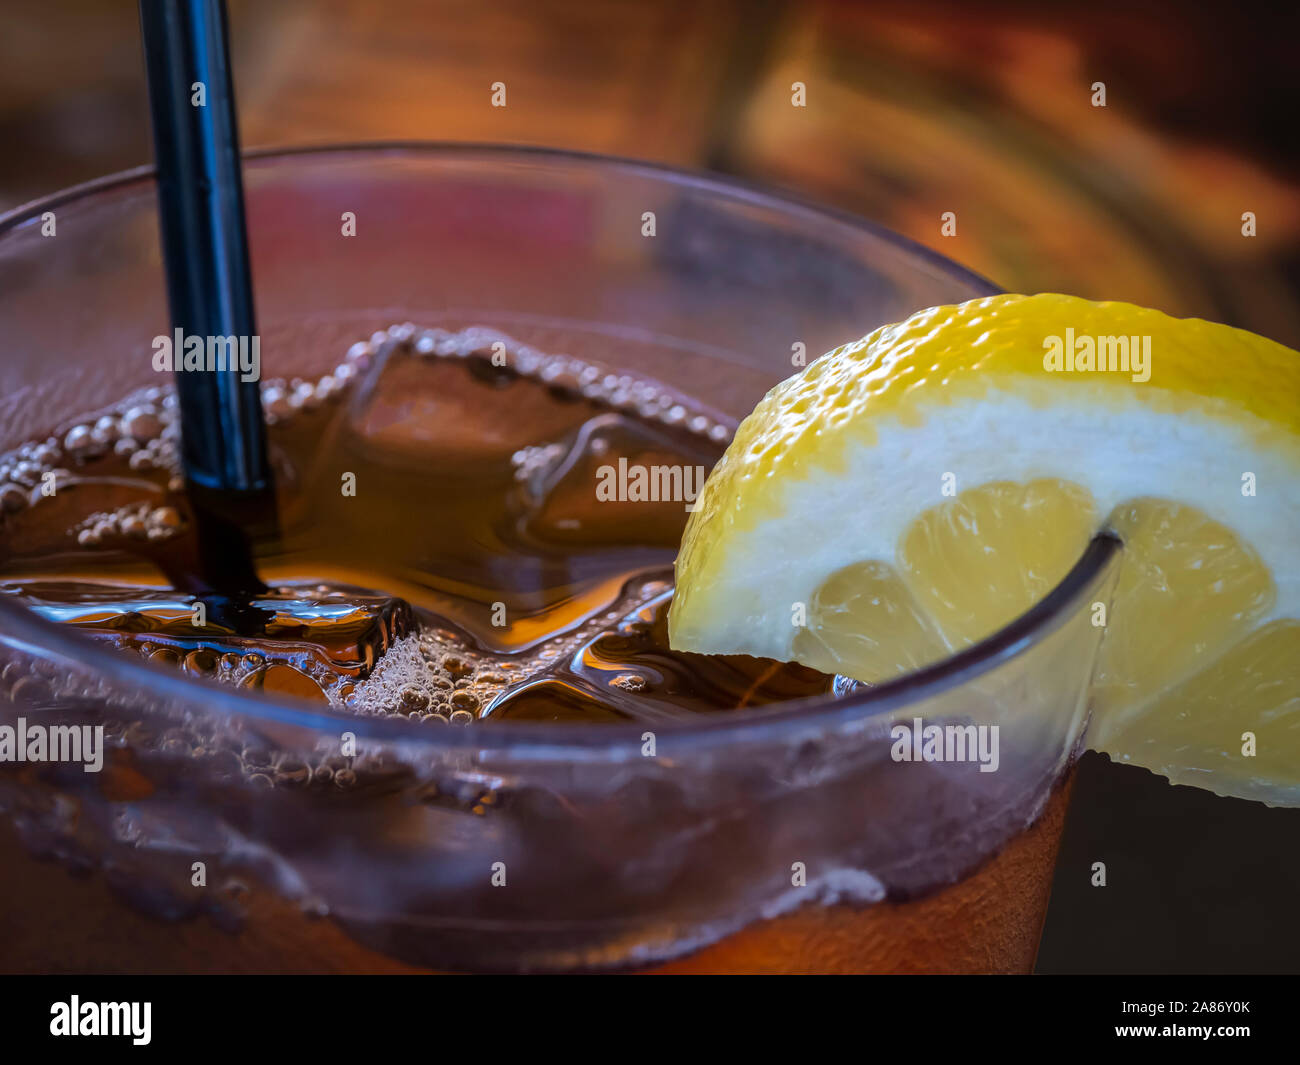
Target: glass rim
<point>724,184</point>
<point>34,635</point>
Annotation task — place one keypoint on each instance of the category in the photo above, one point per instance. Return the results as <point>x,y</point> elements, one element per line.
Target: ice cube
<point>455,414</point>
<point>616,479</point>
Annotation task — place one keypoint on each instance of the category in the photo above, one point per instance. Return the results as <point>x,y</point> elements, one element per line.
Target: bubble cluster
<point>629,682</point>
<point>136,521</point>
<point>144,428</point>
<point>433,676</point>
<point>438,677</point>
<point>639,396</point>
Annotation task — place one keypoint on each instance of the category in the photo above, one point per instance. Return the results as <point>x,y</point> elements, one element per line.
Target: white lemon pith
<point>911,492</point>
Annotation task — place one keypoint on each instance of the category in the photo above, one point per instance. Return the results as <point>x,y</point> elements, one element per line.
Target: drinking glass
<point>229,831</point>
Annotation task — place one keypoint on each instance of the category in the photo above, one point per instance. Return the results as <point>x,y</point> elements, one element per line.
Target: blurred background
<point>914,109</point>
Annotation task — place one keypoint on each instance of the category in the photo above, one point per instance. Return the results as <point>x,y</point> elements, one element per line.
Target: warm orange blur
<point>913,110</point>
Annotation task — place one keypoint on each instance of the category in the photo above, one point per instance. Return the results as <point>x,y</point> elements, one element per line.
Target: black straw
<point>209,287</point>
<point>205,246</point>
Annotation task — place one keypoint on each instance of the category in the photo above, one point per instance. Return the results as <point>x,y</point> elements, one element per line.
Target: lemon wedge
<point>910,493</point>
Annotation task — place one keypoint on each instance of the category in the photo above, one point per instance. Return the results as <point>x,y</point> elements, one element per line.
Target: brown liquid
<point>456,540</point>
<point>458,507</point>
<point>988,922</point>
